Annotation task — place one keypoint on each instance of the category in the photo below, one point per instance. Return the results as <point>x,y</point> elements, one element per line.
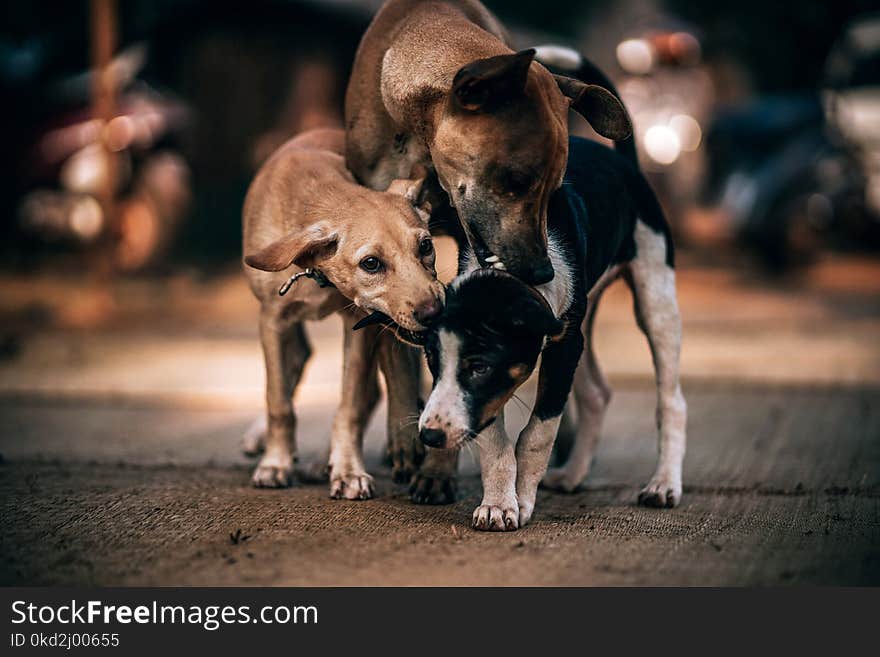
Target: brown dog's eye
<point>371,264</point>
<point>426,247</point>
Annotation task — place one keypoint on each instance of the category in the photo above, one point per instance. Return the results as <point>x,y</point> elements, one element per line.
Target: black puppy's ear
<point>601,108</point>
<point>303,248</point>
<point>532,315</point>
<point>486,83</point>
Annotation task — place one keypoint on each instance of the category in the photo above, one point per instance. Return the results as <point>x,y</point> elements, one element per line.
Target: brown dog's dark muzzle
<point>540,273</point>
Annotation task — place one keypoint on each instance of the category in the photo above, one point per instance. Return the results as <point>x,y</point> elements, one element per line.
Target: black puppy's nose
<point>428,311</point>
<point>432,437</point>
<point>542,273</point>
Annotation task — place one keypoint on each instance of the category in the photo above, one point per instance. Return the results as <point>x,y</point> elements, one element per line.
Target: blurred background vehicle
<point>751,138</point>
<point>135,128</point>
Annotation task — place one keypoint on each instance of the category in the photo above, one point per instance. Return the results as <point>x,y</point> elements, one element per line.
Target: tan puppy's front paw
<point>488,517</point>
<point>661,492</point>
<point>433,488</point>
<point>558,479</point>
<point>273,472</point>
<point>351,486</point>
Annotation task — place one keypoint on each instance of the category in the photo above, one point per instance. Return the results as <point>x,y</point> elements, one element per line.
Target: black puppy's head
<point>482,349</point>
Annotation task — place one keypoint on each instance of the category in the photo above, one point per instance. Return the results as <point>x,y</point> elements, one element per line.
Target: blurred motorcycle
<point>76,158</point>
<point>794,174</point>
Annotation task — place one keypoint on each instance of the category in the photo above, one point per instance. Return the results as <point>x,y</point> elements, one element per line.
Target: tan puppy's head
<point>374,247</point>
<point>500,147</point>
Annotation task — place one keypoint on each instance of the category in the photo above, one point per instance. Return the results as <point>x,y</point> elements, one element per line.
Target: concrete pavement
<point>121,463</point>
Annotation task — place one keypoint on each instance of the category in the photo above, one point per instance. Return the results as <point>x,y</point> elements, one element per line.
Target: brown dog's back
<point>428,24</point>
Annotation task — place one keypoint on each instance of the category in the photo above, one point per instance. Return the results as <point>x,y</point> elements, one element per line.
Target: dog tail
<point>567,61</point>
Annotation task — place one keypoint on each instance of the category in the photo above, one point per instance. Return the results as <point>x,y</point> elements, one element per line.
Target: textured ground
<point>121,462</point>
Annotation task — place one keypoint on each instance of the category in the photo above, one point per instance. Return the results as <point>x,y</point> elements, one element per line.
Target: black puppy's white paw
<point>491,518</point>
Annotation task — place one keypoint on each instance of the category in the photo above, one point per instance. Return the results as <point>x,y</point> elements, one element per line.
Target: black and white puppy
<point>604,223</point>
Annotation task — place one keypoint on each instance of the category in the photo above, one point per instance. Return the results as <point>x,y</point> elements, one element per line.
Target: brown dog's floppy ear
<point>301,248</point>
<point>485,83</point>
<point>601,108</point>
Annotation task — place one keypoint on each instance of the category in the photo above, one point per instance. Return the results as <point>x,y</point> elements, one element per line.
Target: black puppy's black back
<point>594,213</point>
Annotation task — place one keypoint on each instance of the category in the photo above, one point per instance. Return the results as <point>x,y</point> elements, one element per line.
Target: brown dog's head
<point>500,148</point>
<point>374,247</point>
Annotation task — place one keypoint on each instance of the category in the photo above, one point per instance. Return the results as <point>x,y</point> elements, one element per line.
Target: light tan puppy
<point>304,210</point>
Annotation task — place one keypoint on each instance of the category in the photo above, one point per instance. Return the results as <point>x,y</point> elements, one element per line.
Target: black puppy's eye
<point>371,264</point>
<point>478,367</point>
<point>426,247</point>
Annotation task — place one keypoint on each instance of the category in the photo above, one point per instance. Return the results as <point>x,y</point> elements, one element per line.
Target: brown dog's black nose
<point>426,312</point>
<point>432,437</point>
<point>542,273</point>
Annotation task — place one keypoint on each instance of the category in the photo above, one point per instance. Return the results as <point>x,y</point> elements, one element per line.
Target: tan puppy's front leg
<point>401,367</point>
<point>498,511</point>
<point>285,350</point>
<point>348,476</point>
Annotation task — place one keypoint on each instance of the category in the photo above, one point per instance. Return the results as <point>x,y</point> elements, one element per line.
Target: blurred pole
<point>103,43</point>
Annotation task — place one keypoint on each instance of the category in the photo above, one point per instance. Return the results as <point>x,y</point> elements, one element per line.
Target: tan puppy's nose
<point>428,311</point>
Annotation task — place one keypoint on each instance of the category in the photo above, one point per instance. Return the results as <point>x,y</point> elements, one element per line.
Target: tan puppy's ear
<point>487,83</point>
<point>600,107</point>
<point>301,248</point>
<point>413,190</point>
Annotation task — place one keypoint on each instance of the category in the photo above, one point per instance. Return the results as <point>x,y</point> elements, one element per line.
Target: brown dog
<point>304,210</point>
<point>435,84</point>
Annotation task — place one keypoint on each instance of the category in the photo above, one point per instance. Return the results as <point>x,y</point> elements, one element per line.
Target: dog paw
<point>405,462</point>
<point>526,509</point>
<point>314,472</point>
<point>488,517</point>
<point>558,479</point>
<point>661,492</point>
<point>351,486</point>
<point>273,472</point>
<point>429,488</point>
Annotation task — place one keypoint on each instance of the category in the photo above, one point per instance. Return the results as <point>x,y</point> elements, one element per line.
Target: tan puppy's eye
<point>371,264</point>
<point>426,247</point>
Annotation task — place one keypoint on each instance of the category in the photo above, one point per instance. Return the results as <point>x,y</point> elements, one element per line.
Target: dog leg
<point>348,476</point>
<point>656,308</point>
<point>566,434</point>
<point>435,481</point>
<point>558,363</point>
<point>498,510</point>
<point>286,350</point>
<point>401,368</point>
<point>592,394</point>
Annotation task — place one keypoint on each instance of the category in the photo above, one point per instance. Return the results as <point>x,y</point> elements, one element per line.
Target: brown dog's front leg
<point>286,350</point>
<point>435,481</point>
<point>348,476</point>
<point>401,367</point>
